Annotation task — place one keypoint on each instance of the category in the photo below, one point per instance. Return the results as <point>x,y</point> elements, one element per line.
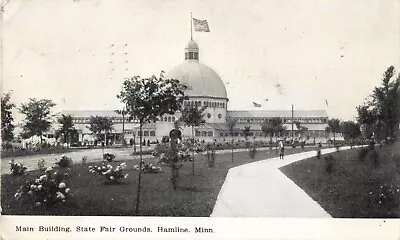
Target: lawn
<point>195,195</point>
<point>356,186</point>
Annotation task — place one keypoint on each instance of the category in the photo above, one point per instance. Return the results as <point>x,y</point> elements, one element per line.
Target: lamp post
<point>292,125</point>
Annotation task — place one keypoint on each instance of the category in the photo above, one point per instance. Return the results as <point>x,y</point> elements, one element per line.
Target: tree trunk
<point>140,173</point>
<point>192,151</point>
<point>233,142</point>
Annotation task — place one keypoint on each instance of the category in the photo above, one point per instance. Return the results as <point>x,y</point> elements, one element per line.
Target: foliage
<point>301,129</point>
<point>48,190</point>
<point>231,123</point>
<point>333,126</point>
<point>37,116</point>
<point>329,163</point>
<point>7,126</point>
<point>386,101</point>
<point>210,157</point>
<point>367,116</point>
<point>319,153</point>
<point>99,125</point>
<point>66,126</point>
<point>109,157</point>
<point>148,168</point>
<point>64,162</point>
<point>111,174</point>
<point>41,164</point>
<point>246,132</point>
<point>274,125</point>
<point>17,168</point>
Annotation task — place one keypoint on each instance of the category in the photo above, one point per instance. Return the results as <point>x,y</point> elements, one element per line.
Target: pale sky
<point>77,53</point>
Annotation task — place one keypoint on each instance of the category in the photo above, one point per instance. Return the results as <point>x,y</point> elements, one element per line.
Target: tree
<point>192,116</point>
<point>7,126</point>
<point>37,116</point>
<point>231,123</point>
<point>367,116</point>
<point>267,128</point>
<point>123,112</point>
<point>66,128</point>
<point>386,101</point>
<point>350,130</point>
<point>277,125</point>
<point>100,125</point>
<point>302,129</point>
<point>334,127</point>
<point>146,99</point>
<point>246,132</point>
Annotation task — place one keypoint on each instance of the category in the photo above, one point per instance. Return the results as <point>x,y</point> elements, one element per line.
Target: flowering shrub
<point>48,190</point>
<point>388,193</point>
<point>148,168</point>
<point>252,152</point>
<point>108,157</point>
<point>17,168</point>
<point>111,174</point>
<point>41,165</point>
<point>64,162</point>
<point>84,159</point>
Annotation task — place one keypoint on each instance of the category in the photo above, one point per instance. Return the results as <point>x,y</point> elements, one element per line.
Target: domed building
<point>205,88</point>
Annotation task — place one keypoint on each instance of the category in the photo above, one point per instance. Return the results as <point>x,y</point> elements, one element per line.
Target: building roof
<point>273,113</point>
<point>88,113</point>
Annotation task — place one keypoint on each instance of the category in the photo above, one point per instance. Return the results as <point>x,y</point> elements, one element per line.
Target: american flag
<point>200,25</point>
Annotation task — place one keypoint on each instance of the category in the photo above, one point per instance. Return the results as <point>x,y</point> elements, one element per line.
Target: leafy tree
<point>350,130</point>
<point>122,112</point>
<point>231,123</point>
<point>146,99</point>
<point>66,128</point>
<point>7,126</point>
<point>38,116</point>
<point>192,116</point>
<point>100,125</point>
<point>246,132</point>
<point>267,128</point>
<point>277,125</point>
<point>386,101</point>
<point>302,129</point>
<point>334,127</point>
<point>367,116</point>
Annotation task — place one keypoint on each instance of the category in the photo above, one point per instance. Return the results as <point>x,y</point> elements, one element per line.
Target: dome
<point>202,81</point>
<point>192,45</point>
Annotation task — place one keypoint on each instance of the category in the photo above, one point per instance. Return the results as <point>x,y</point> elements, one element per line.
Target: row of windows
<point>288,133</point>
<point>205,103</point>
<point>114,120</point>
<point>204,133</point>
<point>167,119</point>
<point>191,55</point>
<point>137,133</point>
<point>285,120</point>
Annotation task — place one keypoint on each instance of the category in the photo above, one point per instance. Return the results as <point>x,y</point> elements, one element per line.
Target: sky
<point>272,52</point>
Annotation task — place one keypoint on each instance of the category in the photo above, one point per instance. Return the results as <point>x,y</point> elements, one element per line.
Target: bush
<point>84,159</point>
<point>329,163</point>
<point>17,168</point>
<point>252,152</point>
<point>109,157</point>
<point>375,158</point>
<point>319,153</point>
<point>64,162</point>
<point>111,174</point>
<point>211,158</point>
<point>48,190</point>
<point>148,168</point>
<point>41,165</point>
<point>362,153</point>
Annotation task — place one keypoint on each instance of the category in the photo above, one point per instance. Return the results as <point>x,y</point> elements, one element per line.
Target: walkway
<point>260,189</point>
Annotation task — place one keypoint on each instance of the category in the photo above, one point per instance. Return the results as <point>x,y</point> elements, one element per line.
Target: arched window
<point>152,133</point>
<point>210,133</point>
<point>146,133</point>
<point>165,119</point>
<point>209,115</point>
<point>197,133</point>
<point>220,116</point>
<point>169,119</point>
<point>203,133</point>
<point>173,119</point>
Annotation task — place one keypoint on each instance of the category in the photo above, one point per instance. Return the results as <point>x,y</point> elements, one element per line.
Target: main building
<point>205,88</point>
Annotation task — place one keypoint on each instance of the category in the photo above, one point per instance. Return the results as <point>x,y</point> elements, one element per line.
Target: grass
<point>356,187</point>
<point>194,197</point>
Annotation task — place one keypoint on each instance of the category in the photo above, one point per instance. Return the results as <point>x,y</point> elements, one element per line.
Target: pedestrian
<point>282,150</point>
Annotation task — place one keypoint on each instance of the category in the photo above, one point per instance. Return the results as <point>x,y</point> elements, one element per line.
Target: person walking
<point>281,150</point>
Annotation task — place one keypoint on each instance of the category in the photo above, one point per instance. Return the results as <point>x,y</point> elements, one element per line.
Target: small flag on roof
<point>257,104</point>
<point>200,25</point>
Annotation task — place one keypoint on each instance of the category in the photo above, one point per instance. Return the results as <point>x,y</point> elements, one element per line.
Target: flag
<point>326,102</point>
<point>200,25</point>
<point>256,104</point>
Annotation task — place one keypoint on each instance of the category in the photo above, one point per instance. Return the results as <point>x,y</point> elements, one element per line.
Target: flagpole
<point>191,26</point>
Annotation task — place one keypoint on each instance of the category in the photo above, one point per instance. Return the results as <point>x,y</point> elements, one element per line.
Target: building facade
<point>205,88</point>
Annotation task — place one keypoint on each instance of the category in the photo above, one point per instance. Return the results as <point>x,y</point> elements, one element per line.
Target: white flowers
<point>48,169</point>
<point>61,185</point>
<point>67,190</point>
<point>40,187</point>
<point>60,195</point>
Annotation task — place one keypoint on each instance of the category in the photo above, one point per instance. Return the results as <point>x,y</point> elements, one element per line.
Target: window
<point>169,119</point>
<point>203,133</point>
<point>209,115</point>
<point>186,55</point>
<point>190,55</point>
<point>220,116</point>
<point>210,133</point>
<point>205,103</point>
<point>146,133</point>
<point>196,55</point>
<point>173,119</point>
<point>223,105</point>
<point>197,133</point>
<point>152,133</point>
<point>139,133</point>
<point>165,119</point>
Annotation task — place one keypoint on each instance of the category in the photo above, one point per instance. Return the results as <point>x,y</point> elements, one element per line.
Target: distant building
<point>205,88</point>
